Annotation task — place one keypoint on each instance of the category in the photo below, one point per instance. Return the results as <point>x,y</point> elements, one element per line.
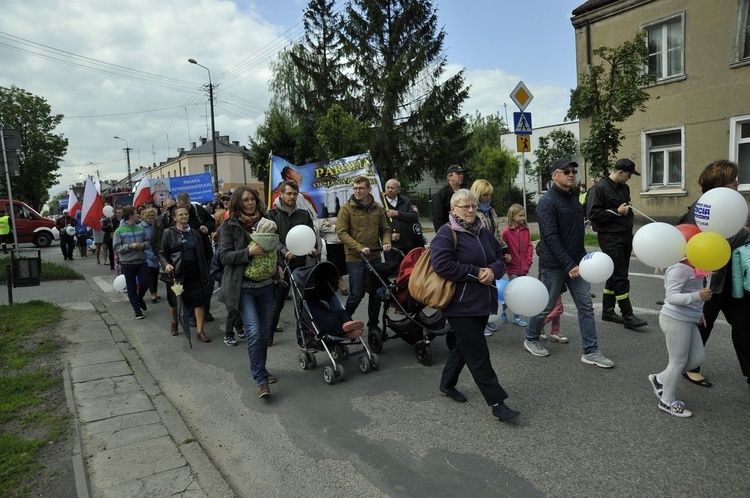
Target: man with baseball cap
<point>560,248</point>
<point>608,209</point>
<point>441,202</point>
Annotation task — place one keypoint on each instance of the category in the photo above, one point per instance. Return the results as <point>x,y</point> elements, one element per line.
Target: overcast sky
<point>121,69</point>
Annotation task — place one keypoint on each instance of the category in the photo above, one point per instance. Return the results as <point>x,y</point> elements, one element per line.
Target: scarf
<point>485,207</point>
<point>248,221</point>
<point>472,228</point>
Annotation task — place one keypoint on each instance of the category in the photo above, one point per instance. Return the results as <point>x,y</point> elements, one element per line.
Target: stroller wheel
<point>374,361</point>
<point>423,352</point>
<point>338,352</point>
<point>450,340</point>
<point>339,372</point>
<point>329,376</point>
<point>304,362</point>
<point>364,365</point>
<point>375,341</point>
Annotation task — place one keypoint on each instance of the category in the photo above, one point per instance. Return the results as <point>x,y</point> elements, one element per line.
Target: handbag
<point>429,288</point>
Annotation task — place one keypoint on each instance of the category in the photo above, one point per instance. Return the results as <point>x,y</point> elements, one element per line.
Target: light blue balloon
<point>89,242</point>
<point>501,285</point>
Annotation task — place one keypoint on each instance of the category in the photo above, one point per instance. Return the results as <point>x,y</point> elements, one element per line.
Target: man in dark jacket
<point>67,241</point>
<point>441,202</point>
<point>287,215</point>
<point>403,220</point>
<point>560,248</point>
<point>608,208</point>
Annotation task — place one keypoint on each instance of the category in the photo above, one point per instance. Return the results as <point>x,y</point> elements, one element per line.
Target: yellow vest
<point>4,225</point>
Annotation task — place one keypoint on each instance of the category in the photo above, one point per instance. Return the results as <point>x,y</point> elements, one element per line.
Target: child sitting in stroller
<point>332,321</point>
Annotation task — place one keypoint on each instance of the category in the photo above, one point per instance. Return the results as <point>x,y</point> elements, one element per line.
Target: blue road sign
<point>522,123</point>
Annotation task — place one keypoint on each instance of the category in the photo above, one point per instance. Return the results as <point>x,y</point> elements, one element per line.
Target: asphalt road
<point>584,431</point>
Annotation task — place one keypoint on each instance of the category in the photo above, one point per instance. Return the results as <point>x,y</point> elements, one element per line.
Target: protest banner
<point>199,187</point>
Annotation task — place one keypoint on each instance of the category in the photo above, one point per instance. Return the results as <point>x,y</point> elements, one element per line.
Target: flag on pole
<point>93,206</point>
<point>97,183</point>
<point>142,192</point>
<point>73,204</point>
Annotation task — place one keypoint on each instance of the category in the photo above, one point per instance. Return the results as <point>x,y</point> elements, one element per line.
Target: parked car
<point>30,225</point>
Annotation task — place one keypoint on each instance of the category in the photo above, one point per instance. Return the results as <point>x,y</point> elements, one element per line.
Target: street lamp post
<point>127,152</point>
<point>214,166</point>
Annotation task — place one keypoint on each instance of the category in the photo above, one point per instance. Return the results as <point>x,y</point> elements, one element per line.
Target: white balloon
<point>119,284</point>
<point>108,211</point>
<point>659,244</point>
<point>300,240</point>
<point>70,230</point>
<point>722,210</point>
<point>526,296</point>
<point>596,267</point>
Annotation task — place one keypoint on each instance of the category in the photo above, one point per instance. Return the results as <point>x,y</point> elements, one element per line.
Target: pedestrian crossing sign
<point>522,123</point>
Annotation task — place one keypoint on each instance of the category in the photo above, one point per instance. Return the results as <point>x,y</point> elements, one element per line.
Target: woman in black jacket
<point>181,259</point>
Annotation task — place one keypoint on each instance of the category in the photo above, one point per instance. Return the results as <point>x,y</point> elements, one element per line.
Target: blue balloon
<point>89,242</point>
<point>501,285</point>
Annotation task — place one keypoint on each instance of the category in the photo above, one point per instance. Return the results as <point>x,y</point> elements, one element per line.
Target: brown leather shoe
<point>201,336</point>
<point>173,329</point>
<point>271,379</point>
<point>263,391</point>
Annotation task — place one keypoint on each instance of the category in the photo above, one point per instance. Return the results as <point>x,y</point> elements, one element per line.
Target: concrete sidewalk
<point>130,440</point>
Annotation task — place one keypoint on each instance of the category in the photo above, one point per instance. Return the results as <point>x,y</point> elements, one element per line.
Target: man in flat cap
<point>608,209</point>
<point>560,249</point>
<point>441,202</point>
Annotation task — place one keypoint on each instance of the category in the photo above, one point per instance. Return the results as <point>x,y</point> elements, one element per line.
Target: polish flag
<point>73,204</point>
<point>93,206</point>
<point>142,192</point>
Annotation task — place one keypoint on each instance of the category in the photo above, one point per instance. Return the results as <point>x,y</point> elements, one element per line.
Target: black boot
<point>631,321</point>
<point>608,310</point>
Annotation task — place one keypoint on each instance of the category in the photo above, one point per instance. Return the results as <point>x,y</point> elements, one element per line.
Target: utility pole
<point>215,166</point>
<point>127,152</point>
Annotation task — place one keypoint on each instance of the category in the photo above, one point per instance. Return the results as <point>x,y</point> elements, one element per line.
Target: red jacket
<point>520,249</point>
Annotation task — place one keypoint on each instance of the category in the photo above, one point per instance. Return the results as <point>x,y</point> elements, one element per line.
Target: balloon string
<point>708,280</point>
<point>634,209</point>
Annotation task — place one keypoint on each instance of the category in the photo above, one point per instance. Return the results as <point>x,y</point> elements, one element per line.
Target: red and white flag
<point>73,204</point>
<point>93,206</point>
<point>142,192</point>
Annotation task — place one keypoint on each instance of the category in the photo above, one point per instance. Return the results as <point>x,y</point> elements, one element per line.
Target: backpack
<point>216,268</point>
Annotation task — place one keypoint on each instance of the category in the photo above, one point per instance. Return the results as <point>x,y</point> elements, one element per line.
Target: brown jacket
<point>359,226</point>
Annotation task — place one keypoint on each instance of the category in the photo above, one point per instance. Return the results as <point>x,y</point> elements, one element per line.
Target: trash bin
<point>429,208</point>
<point>26,267</point>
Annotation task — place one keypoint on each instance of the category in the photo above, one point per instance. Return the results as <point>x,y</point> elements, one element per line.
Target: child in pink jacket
<point>518,238</point>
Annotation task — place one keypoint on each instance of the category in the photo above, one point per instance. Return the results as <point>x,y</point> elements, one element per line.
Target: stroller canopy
<point>317,281</point>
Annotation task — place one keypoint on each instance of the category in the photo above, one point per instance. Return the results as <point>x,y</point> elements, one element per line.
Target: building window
<point>739,144</point>
<point>742,44</point>
<point>666,46</point>
<point>665,150</point>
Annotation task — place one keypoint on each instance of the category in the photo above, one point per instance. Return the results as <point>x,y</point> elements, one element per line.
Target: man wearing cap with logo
<point>560,248</point>
<point>441,202</point>
<point>608,208</point>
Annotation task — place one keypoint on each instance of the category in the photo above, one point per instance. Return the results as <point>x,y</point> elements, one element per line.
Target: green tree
<point>396,53</point>
<point>607,94</point>
<point>558,143</point>
<point>340,135</point>
<point>41,150</point>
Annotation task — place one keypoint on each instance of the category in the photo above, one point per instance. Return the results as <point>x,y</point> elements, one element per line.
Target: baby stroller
<point>314,293</point>
<point>401,313</point>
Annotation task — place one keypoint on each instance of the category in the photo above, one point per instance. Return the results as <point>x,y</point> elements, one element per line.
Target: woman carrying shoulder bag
<point>474,264</point>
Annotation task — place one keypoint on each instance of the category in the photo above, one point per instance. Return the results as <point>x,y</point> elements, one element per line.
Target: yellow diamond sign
<point>521,96</point>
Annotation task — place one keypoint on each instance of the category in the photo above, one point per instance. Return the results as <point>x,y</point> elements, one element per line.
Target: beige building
<point>231,157</point>
<point>699,110</point>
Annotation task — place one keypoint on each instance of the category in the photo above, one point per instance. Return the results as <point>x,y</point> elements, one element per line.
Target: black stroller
<point>314,294</point>
<point>407,318</point>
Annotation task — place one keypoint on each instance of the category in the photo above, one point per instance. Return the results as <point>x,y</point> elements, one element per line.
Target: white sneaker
<point>598,359</point>
<point>488,332</point>
<point>535,348</point>
<point>676,408</point>
<point>558,338</point>
<point>543,337</point>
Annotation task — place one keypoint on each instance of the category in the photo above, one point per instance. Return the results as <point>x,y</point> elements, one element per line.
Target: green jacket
<point>359,226</point>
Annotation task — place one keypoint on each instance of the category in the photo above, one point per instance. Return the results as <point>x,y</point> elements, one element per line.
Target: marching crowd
<point>241,244</point>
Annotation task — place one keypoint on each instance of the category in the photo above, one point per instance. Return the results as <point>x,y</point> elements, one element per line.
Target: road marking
<point>105,284</point>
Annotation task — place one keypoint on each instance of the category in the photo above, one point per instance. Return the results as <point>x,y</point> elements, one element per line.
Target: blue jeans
<point>580,291</point>
<point>136,292</point>
<point>256,305</point>
<point>357,274</point>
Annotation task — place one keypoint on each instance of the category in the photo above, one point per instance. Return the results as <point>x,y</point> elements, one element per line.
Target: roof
<point>592,5</point>
<point>207,149</point>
